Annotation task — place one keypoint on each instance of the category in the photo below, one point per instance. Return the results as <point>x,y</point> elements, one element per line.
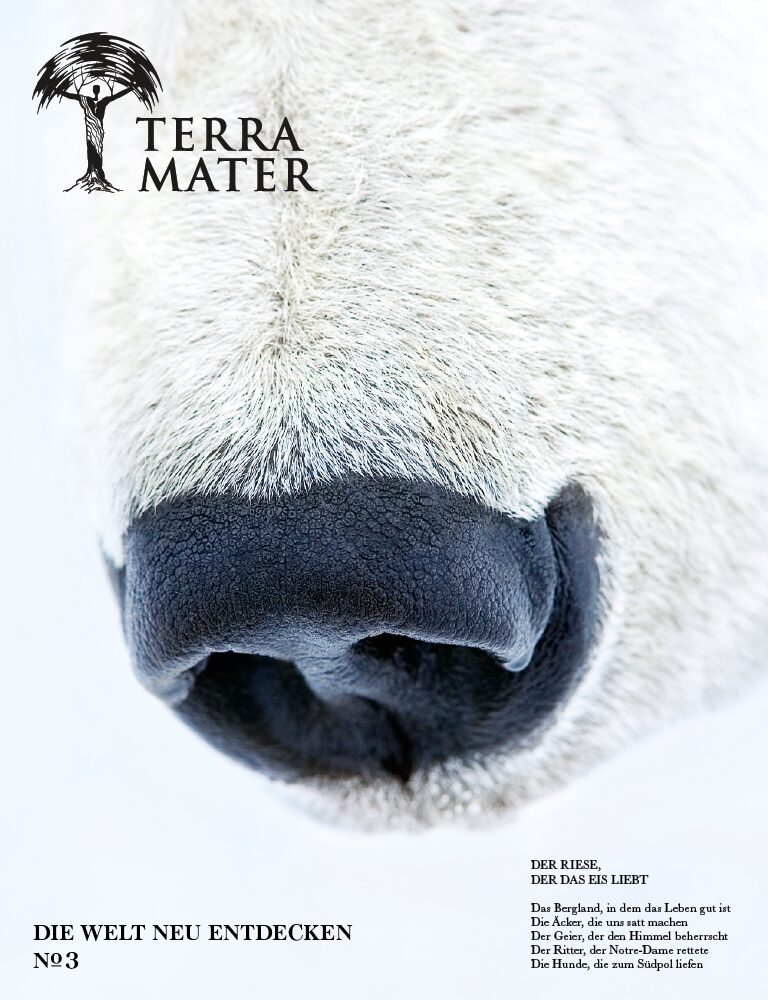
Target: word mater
<point>220,137</point>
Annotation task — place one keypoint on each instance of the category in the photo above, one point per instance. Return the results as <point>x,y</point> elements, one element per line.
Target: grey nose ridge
<point>365,626</point>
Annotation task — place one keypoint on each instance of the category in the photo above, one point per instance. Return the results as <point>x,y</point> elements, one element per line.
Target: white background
<point>114,812</point>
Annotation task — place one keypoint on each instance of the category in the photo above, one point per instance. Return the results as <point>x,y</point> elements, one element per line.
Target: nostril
<point>259,708</point>
<point>399,761</point>
<point>414,655</point>
<point>396,649</point>
<point>364,626</point>
<point>393,702</point>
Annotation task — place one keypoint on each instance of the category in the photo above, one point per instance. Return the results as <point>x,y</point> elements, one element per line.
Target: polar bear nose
<point>363,627</point>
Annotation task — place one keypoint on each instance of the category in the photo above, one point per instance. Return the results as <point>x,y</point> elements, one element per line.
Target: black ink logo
<point>85,68</point>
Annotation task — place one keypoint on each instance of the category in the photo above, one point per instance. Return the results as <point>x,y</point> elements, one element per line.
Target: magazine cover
<point>385,499</point>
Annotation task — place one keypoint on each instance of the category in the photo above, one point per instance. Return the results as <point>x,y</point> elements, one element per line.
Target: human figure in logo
<point>93,109</point>
<point>89,57</point>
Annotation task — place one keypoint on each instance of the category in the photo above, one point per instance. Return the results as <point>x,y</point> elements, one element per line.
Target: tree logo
<point>84,68</point>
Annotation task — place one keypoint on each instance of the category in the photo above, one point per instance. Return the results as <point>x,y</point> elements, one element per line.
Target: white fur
<point>537,253</point>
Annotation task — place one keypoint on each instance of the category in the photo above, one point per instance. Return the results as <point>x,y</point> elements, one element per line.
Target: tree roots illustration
<point>91,181</point>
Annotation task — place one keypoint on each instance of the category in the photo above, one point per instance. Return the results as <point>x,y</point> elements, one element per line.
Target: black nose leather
<point>365,626</point>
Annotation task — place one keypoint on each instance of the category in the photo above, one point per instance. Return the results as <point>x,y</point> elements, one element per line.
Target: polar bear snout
<point>365,626</point>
